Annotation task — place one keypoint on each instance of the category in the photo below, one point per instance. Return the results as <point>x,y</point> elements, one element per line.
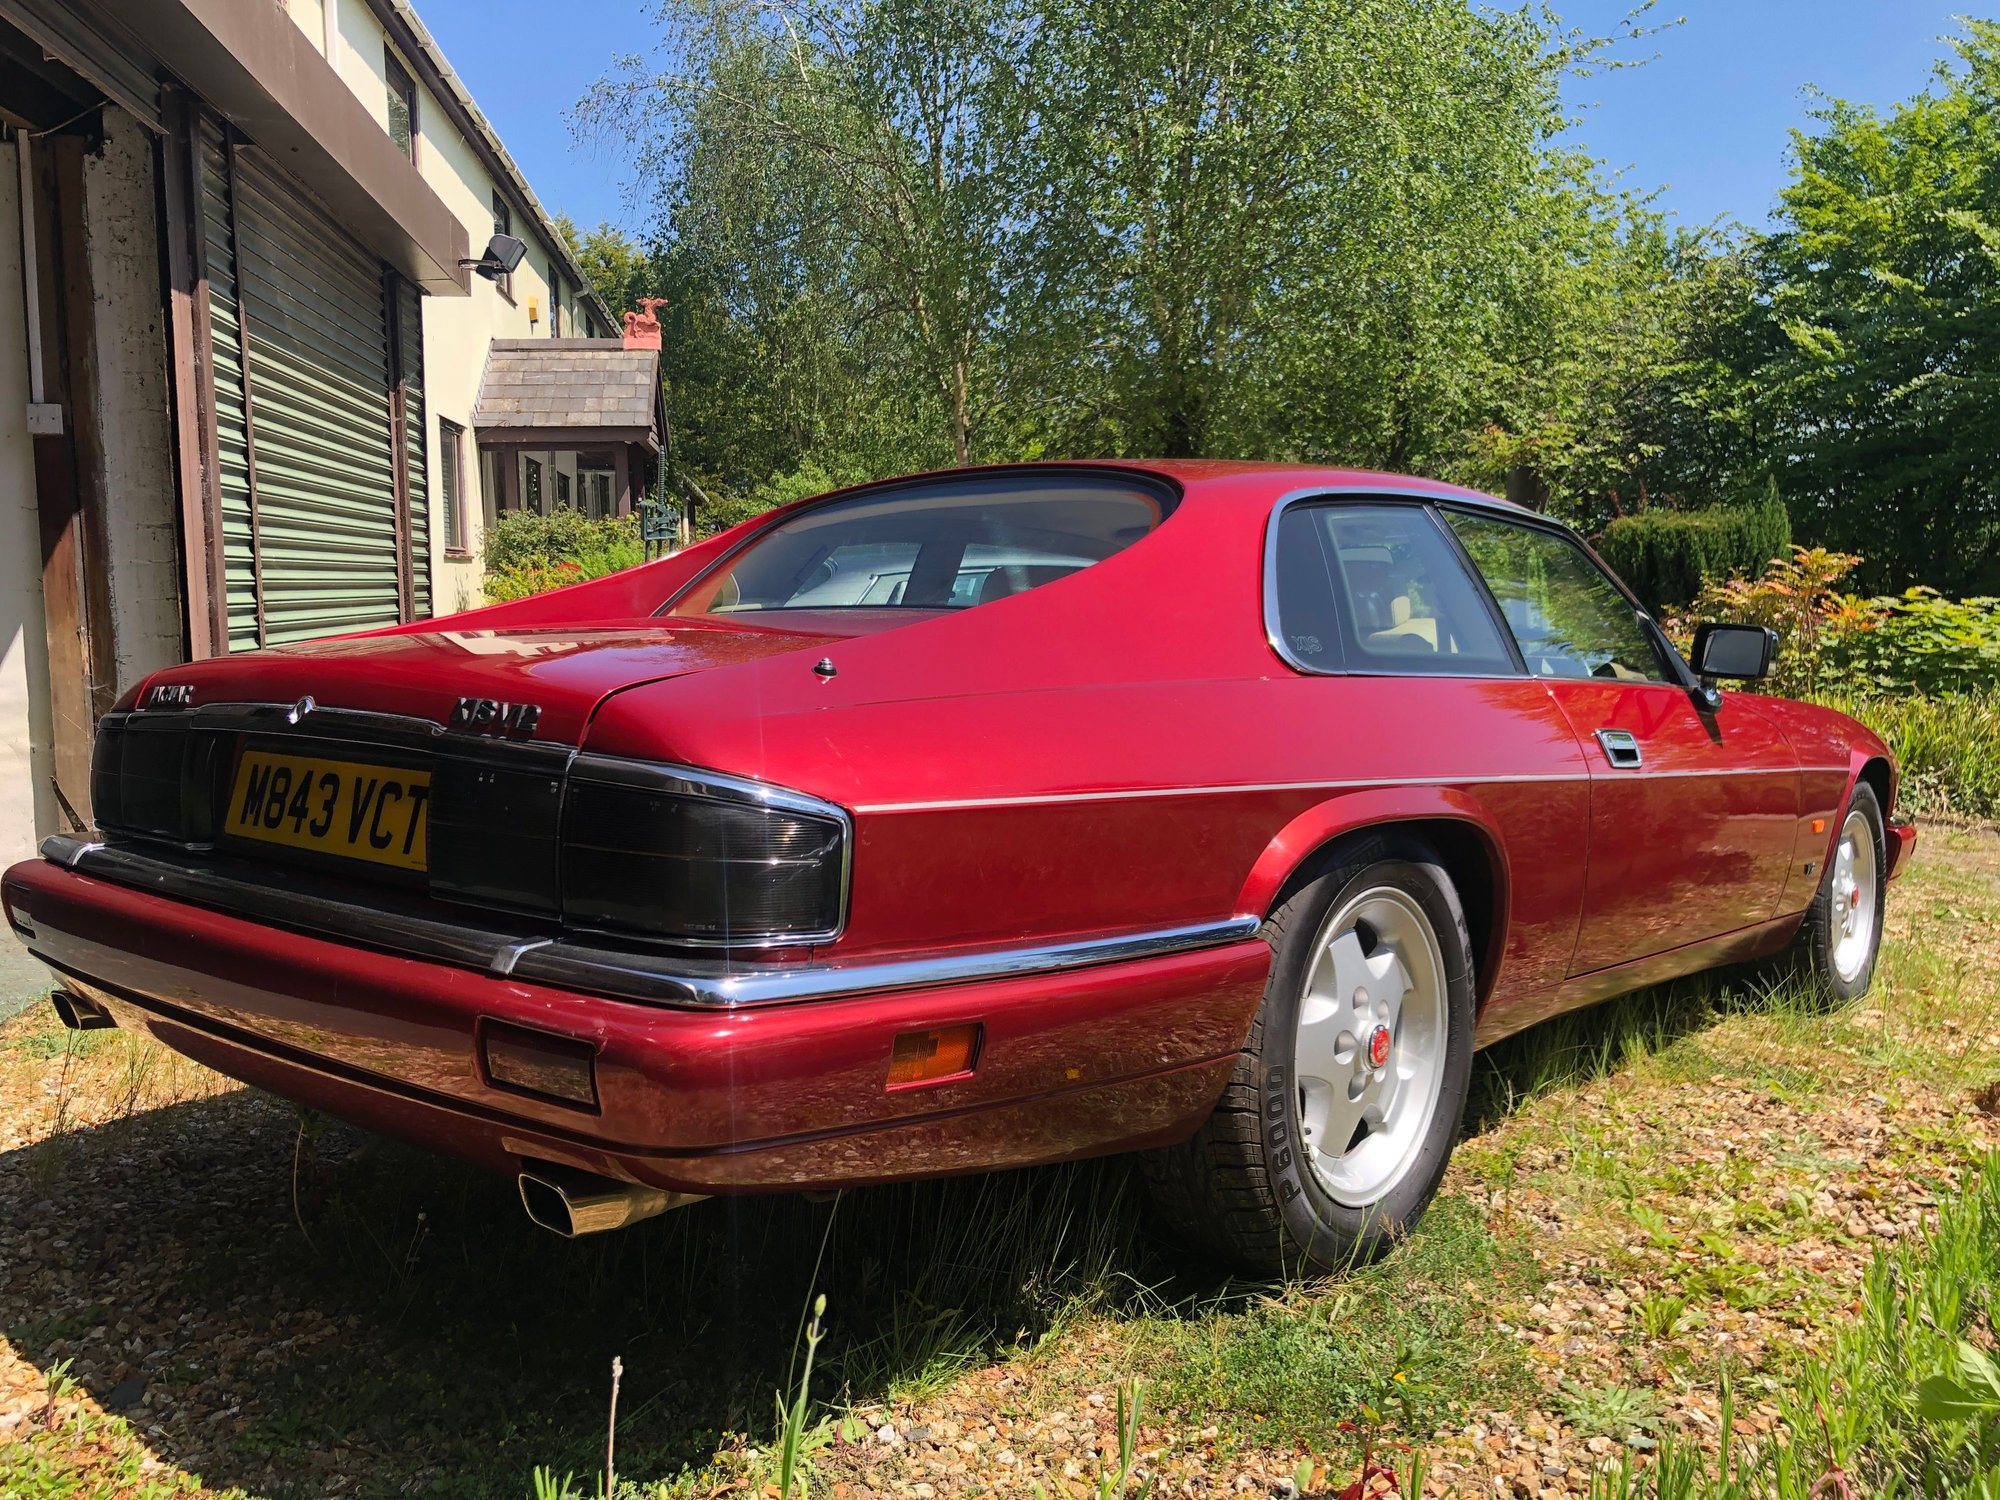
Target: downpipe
<point>571,1202</point>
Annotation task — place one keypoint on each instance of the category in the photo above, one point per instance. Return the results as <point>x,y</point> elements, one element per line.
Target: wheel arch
<point>1881,778</point>
<point>1454,824</point>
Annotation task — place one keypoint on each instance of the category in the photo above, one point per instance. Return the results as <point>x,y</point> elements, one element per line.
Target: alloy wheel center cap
<point>1378,1047</point>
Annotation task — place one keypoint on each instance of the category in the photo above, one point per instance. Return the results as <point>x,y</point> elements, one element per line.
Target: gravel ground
<point>201,1294</point>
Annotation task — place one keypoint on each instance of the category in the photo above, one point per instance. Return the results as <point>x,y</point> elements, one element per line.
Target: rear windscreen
<point>944,545</point>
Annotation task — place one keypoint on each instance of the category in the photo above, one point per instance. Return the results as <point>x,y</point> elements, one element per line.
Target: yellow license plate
<point>338,807</point>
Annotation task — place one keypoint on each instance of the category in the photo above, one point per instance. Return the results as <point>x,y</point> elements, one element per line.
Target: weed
<point>1661,1315</point>
<point>795,1442</point>
<point>1613,1411</point>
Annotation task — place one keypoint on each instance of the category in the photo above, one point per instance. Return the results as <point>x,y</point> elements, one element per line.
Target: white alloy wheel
<point>1369,1054</point>
<point>1853,897</point>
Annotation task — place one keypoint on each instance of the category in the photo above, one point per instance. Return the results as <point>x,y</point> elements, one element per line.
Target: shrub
<point>528,553</point>
<point>1795,596</point>
<point>1667,556</point>
<point>1922,643</point>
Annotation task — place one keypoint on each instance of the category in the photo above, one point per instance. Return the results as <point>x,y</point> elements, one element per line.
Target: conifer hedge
<point>1667,555</point>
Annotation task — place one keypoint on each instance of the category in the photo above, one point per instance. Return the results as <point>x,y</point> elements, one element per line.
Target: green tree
<point>835,166</point>
<point>1882,393</point>
<point>895,233</point>
<point>1278,227</point>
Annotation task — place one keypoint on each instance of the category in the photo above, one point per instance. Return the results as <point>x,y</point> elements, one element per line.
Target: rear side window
<point>947,545</point>
<point>1379,588</point>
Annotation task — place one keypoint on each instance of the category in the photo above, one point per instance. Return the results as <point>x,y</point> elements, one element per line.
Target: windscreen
<point>951,544</point>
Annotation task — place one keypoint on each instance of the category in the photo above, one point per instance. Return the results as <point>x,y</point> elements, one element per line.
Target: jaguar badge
<point>491,716</point>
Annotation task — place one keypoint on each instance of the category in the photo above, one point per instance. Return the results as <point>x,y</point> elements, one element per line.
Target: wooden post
<point>621,476</point>
<point>69,474</point>
<point>191,374</point>
<point>510,479</point>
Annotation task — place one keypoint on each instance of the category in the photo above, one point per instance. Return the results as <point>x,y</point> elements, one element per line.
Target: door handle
<point>1621,748</point>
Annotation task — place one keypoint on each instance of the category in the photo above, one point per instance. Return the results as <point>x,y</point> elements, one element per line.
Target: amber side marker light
<point>933,1056</point>
<point>560,1068</point>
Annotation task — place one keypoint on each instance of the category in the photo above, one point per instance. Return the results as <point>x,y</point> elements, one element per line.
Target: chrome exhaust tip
<point>571,1202</point>
<point>79,1014</point>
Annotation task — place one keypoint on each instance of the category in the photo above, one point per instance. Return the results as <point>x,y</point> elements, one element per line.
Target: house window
<point>491,487</point>
<point>562,488</point>
<point>451,467</point>
<point>555,301</point>
<point>602,484</point>
<point>503,223</point>
<point>531,491</point>
<point>402,105</point>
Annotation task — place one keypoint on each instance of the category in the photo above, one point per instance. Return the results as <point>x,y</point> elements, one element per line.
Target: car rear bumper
<point>1112,1056</point>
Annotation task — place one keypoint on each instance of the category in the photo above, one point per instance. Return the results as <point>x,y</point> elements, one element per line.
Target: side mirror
<point>1740,651</point>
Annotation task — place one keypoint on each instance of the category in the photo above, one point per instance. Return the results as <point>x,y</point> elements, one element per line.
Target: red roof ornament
<point>642,329</point>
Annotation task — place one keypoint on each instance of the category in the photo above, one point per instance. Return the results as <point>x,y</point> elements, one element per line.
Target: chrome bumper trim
<point>563,963</point>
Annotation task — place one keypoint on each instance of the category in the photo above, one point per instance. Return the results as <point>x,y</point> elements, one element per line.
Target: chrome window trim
<point>562,963</point>
<point>1417,493</point>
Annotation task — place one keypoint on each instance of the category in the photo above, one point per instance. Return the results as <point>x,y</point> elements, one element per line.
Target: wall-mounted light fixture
<point>503,253</point>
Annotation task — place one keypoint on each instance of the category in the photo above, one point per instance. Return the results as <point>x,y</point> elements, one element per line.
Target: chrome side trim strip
<point>1055,799</point>
<point>567,965</point>
<point>625,974</point>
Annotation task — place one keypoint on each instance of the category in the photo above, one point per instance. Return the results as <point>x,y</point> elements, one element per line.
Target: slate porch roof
<point>593,385</point>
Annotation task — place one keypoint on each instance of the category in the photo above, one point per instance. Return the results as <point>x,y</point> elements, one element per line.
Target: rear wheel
<point>1348,1095</point>
<point>1838,944</point>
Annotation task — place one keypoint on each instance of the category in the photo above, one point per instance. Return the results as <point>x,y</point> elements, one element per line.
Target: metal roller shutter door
<point>231,410</point>
<point>322,445</point>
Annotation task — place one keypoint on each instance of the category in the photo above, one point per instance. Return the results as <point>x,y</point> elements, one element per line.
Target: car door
<point>1409,684</point>
<point>1692,810</point>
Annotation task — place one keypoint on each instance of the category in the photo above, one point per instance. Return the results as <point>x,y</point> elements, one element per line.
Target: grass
<point>410,1323</point>
<point>1408,1336</point>
<point>1859,1421</point>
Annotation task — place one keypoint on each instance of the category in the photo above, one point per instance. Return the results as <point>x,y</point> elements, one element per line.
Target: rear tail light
<point>700,858</point>
<point>148,774</point>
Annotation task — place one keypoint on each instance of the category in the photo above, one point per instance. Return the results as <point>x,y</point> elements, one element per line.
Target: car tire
<point>1835,951</point>
<point>1253,1187</point>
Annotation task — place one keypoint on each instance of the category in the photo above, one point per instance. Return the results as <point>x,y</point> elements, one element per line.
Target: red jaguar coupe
<point>1001,816</point>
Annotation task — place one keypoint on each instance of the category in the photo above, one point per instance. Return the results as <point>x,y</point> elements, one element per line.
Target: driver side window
<point>1567,617</point>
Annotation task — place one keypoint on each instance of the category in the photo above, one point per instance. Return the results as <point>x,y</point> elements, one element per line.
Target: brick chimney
<point>642,329</point>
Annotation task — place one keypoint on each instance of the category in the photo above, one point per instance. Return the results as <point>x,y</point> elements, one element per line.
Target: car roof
<point>1283,478</point>
<point>1215,478</point>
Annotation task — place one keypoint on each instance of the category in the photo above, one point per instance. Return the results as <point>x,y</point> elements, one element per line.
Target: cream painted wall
<point>26,735</point>
<point>310,17</point>
<point>457,330</point>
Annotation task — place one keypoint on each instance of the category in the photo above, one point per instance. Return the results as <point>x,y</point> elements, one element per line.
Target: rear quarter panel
<point>1122,750</point>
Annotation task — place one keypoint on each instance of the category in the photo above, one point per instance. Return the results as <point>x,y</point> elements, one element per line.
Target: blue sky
<point>1705,122</point>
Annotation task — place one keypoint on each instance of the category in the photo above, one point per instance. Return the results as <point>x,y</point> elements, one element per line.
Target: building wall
<point>142,534</point>
<point>457,330</point>
<point>27,765</point>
